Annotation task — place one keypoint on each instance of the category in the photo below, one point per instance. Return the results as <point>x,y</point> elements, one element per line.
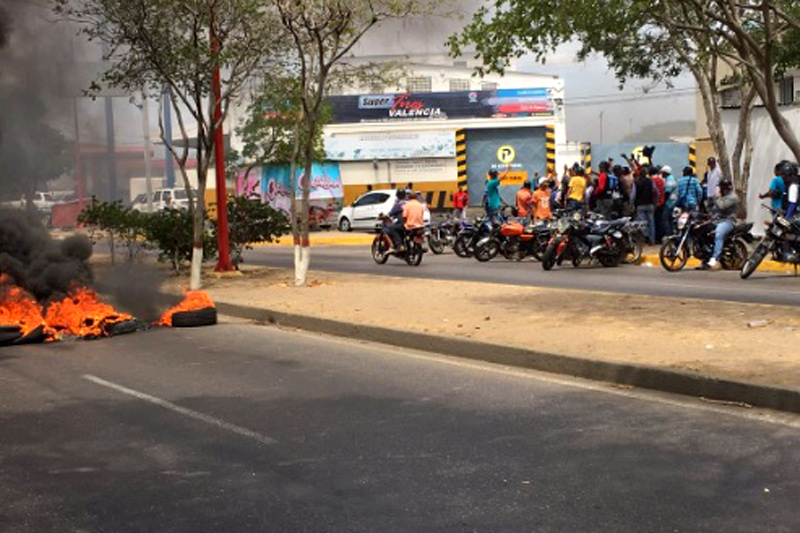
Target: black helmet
<point>786,169</point>
<point>725,183</point>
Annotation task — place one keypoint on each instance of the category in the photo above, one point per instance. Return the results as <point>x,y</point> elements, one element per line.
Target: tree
<point>639,38</point>
<point>761,36</point>
<point>157,44</point>
<point>322,33</point>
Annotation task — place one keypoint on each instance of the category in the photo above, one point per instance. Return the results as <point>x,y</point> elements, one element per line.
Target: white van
<point>172,198</point>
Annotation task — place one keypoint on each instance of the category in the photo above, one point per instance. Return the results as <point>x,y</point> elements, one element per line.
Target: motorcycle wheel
<point>673,258</point>
<point>549,257</point>
<point>610,260</point>
<point>734,256</point>
<point>487,251</point>
<point>755,259</point>
<point>635,250</point>
<point>461,246</point>
<point>380,250</point>
<point>414,255</point>
<point>512,253</point>
<point>436,246</point>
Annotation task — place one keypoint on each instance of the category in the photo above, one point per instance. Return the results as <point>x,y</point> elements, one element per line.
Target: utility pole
<point>168,158</point>
<point>80,184</point>
<point>224,263</point>
<point>147,147</point>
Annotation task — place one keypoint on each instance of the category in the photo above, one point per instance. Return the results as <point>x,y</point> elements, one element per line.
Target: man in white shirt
<point>713,176</point>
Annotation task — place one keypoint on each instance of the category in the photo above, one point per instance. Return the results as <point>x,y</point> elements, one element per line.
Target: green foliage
<point>251,221</point>
<point>118,223</point>
<point>171,232</point>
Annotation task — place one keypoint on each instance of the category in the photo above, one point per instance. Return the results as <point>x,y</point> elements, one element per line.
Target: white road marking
<point>790,420</point>
<point>244,432</point>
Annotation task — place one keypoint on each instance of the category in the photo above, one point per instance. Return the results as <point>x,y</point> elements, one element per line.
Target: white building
<point>769,147</point>
<point>441,127</point>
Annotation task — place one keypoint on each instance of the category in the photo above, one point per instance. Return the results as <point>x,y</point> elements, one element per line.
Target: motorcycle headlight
<point>683,220</point>
<point>782,222</point>
<point>676,212</point>
<point>617,234</point>
<point>562,225</point>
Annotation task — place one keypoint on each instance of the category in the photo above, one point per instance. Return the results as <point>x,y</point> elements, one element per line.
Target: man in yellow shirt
<point>577,189</point>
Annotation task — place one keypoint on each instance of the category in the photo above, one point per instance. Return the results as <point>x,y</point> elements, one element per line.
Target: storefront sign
<point>501,103</point>
<point>369,147</point>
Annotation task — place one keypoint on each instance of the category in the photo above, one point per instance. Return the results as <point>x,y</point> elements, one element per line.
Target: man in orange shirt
<point>541,202</point>
<point>524,200</point>
<point>413,215</point>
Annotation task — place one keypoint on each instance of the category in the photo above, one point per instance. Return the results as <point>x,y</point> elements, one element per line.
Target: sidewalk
<point>729,351</point>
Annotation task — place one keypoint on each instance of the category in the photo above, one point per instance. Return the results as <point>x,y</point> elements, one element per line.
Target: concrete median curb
<point>626,374</point>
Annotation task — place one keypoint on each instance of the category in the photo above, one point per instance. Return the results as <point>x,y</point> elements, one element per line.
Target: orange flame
<point>81,314</point>
<point>19,308</point>
<point>194,300</point>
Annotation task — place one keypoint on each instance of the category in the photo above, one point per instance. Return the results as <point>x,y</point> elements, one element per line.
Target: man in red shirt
<point>659,183</point>
<point>460,204</point>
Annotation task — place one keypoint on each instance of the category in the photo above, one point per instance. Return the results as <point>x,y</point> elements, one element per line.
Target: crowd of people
<point>643,191</point>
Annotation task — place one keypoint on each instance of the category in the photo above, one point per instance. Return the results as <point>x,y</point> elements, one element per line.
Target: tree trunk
<point>709,92</point>
<point>743,147</point>
<point>302,246</point>
<point>198,220</point>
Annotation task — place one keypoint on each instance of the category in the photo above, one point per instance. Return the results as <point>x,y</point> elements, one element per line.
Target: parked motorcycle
<point>695,237</point>
<point>634,232</point>
<point>443,235</point>
<point>578,240</point>
<point>782,240</point>
<point>413,242</point>
<point>468,237</point>
<point>515,240</point>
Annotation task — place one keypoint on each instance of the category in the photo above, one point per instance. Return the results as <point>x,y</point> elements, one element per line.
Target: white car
<point>174,198</point>
<point>363,213</point>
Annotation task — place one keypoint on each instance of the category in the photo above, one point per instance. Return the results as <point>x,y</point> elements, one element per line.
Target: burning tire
<point>196,318</point>
<point>9,334</point>
<point>36,336</point>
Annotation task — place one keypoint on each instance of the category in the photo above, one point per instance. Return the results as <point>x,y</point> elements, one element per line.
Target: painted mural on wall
<point>272,185</point>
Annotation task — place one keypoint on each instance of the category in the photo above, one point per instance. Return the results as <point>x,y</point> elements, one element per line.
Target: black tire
<point>380,252</point>
<point>124,328</point>
<point>36,336</point>
<point>549,257</point>
<point>462,248</point>
<point>634,255</point>
<point>610,261</point>
<point>734,256</point>
<point>344,225</point>
<point>194,319</point>
<point>672,259</point>
<point>758,255</point>
<point>9,334</point>
<point>487,251</point>
<point>414,255</point>
<point>436,246</point>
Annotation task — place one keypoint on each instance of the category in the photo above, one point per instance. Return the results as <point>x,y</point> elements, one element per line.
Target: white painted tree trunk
<point>302,259</point>
<point>197,267</point>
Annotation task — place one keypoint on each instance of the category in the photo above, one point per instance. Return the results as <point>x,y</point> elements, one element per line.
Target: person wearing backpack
<point>690,192</point>
<point>604,193</point>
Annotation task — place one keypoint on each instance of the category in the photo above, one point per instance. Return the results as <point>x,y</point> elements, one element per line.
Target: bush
<point>171,231</point>
<point>250,221</point>
<point>118,223</point>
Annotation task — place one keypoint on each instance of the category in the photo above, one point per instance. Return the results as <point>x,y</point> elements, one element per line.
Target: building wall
<point>769,150</point>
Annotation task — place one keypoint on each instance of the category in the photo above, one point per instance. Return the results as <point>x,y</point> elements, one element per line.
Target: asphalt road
<point>244,428</point>
<point>762,287</point>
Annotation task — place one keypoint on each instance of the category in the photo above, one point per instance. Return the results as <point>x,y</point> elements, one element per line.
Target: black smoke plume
<point>45,267</point>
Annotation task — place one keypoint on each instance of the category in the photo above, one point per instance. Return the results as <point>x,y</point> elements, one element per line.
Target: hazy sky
<point>591,89</point>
